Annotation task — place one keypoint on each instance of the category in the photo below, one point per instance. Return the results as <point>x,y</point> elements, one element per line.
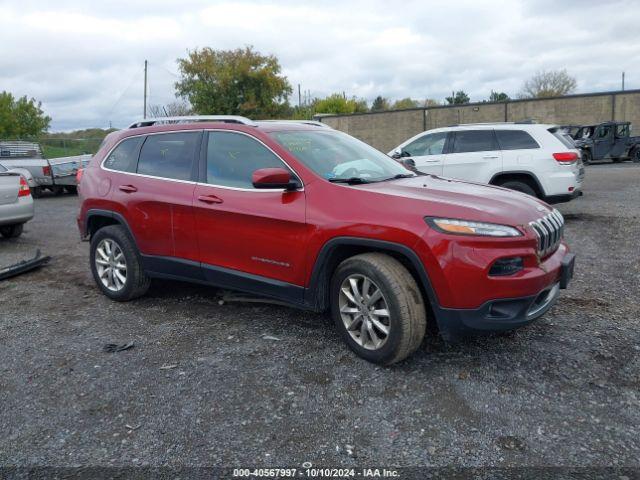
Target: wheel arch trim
<point>525,173</point>
<point>119,218</point>
<point>317,294</point>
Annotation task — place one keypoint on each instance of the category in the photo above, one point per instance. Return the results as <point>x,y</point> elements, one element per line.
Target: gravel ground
<point>245,384</point>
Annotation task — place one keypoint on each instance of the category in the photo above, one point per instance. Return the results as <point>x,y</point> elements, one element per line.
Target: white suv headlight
<point>465,227</point>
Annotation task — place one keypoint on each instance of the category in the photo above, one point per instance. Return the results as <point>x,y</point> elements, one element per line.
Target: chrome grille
<point>549,230</point>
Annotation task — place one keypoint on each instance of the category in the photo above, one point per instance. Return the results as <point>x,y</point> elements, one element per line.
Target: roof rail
<point>480,123</point>
<point>147,122</point>
<point>302,122</point>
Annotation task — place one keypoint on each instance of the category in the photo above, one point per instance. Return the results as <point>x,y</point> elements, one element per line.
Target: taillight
<point>566,158</point>
<point>79,175</point>
<point>23,190</point>
<point>46,171</point>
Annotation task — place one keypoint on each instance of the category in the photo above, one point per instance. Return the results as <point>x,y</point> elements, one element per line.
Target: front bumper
<point>503,314</point>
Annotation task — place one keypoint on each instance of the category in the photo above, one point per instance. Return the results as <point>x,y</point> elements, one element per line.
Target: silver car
<point>16,203</point>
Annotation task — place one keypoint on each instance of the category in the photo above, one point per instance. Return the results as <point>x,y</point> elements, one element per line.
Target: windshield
<point>336,156</point>
<point>2,169</point>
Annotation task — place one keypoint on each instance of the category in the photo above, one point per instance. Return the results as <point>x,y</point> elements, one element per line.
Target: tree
<point>174,109</point>
<point>22,117</point>
<point>339,104</point>
<point>430,102</point>
<point>458,98</point>
<point>544,84</point>
<point>498,97</point>
<point>233,82</point>
<point>405,103</point>
<point>379,104</point>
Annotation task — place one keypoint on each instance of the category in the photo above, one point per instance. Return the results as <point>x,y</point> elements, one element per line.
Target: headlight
<point>464,227</point>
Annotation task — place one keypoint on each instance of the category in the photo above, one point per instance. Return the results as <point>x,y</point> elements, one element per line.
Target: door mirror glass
<point>397,153</point>
<point>273,178</point>
<point>410,163</point>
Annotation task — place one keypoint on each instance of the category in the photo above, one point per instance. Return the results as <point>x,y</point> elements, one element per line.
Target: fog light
<point>506,266</point>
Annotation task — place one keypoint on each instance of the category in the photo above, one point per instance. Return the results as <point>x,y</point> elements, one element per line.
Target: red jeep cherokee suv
<point>299,212</point>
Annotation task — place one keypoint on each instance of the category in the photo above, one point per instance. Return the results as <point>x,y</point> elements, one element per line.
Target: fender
<point>316,294</point>
<point>520,172</point>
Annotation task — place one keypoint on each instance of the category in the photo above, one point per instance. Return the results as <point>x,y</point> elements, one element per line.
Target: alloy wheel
<point>364,311</point>
<point>111,265</point>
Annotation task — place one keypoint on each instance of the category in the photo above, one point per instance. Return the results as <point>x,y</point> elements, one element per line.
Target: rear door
<point>157,197</point>
<point>474,156</point>
<point>518,148</point>
<point>427,152</point>
<point>241,228</point>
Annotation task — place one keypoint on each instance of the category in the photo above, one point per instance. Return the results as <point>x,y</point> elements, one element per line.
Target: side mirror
<point>397,153</point>
<point>274,178</point>
<point>409,163</point>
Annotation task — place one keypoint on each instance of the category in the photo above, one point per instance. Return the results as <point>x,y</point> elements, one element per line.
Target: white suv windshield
<point>337,157</point>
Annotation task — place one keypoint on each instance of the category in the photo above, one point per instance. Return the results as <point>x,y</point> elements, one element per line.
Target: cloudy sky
<point>84,60</point>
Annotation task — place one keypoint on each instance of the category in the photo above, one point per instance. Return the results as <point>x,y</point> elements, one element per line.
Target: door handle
<point>490,156</point>
<point>127,188</point>
<point>431,161</point>
<point>209,199</point>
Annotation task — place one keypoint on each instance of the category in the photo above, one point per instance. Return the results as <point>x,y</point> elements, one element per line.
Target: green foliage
<point>549,84</point>
<point>339,104</point>
<point>379,104</point>
<point>498,97</point>
<point>78,142</point>
<point>430,102</point>
<point>233,82</point>
<point>405,103</point>
<point>22,117</point>
<point>458,98</point>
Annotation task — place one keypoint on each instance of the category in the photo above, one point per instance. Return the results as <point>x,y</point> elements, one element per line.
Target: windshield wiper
<point>400,175</point>
<point>349,180</point>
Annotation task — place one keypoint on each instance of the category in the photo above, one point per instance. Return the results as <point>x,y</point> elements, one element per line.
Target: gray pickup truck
<point>55,174</point>
<point>16,203</point>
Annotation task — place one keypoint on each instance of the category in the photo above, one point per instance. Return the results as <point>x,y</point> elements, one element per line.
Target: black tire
<point>634,155</point>
<point>407,313</point>
<point>519,187</point>
<point>36,192</point>
<point>12,231</point>
<point>57,190</point>
<point>72,189</point>
<point>587,158</point>
<point>137,282</point>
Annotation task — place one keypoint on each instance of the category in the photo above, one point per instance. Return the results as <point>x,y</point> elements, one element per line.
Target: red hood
<point>458,199</point>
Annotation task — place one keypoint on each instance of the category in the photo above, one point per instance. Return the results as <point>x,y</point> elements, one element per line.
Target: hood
<point>464,200</point>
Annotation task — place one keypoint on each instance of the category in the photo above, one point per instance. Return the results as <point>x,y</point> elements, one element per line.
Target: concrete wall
<point>385,130</point>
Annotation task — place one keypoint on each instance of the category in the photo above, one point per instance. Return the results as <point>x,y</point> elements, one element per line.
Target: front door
<point>427,152</point>
<point>244,232</point>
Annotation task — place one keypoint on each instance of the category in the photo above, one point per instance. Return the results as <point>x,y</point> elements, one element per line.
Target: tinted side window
<point>431,144</point>
<point>515,140</point>
<point>233,157</point>
<point>474,141</point>
<point>168,155</point>
<point>603,132</point>
<point>124,157</point>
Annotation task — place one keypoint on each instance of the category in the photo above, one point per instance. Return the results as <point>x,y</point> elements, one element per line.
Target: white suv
<point>536,159</point>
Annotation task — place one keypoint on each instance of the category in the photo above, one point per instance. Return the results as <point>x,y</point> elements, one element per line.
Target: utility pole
<point>623,81</point>
<point>299,97</point>
<point>145,90</point>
